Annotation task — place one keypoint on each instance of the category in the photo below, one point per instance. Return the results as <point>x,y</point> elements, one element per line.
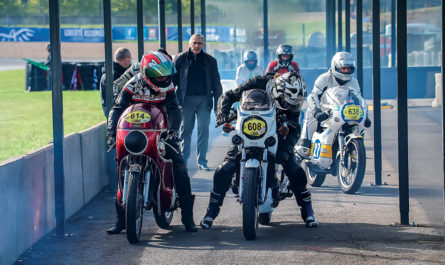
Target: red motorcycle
<point>145,174</point>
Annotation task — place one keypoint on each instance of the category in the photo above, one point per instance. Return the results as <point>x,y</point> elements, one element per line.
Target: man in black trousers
<point>199,87</point>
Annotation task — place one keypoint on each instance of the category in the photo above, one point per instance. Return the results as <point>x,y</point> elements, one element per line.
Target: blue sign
<point>121,33</point>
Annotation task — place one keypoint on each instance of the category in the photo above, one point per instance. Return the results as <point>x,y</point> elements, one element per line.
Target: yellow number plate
<point>138,117</point>
<point>353,112</point>
<point>254,127</point>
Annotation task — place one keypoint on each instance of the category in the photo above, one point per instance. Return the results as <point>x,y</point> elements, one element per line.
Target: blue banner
<point>121,33</point>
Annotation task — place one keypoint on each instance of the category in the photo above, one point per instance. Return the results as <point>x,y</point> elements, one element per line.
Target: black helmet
<point>250,56</point>
<point>284,49</point>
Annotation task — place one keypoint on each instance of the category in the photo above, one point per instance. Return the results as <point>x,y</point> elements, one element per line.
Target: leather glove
<point>221,118</point>
<point>172,138</point>
<point>320,115</point>
<point>111,141</point>
<point>368,123</point>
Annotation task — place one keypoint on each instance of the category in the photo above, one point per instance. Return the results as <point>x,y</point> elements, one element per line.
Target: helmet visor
<point>159,70</point>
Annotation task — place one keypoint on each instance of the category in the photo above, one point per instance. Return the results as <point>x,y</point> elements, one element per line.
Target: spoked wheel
<point>250,203</point>
<point>134,210</point>
<point>163,220</point>
<point>314,179</point>
<point>352,170</point>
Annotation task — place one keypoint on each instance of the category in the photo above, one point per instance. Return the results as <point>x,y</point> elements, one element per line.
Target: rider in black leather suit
<point>288,91</point>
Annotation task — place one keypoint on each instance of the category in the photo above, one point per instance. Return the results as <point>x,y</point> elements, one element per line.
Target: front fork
<point>342,147</point>
<point>263,175</point>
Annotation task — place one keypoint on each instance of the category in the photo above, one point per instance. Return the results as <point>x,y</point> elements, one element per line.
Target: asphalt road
<point>354,229</point>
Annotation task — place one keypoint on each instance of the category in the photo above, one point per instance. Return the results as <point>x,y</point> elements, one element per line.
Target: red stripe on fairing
<point>128,90</point>
<point>171,90</point>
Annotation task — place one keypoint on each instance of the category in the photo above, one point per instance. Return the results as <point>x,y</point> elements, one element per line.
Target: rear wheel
<point>352,171</point>
<point>134,210</point>
<point>250,203</point>
<point>163,220</point>
<point>314,179</point>
<point>264,218</point>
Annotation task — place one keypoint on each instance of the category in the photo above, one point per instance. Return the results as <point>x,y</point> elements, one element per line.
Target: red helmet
<point>156,70</point>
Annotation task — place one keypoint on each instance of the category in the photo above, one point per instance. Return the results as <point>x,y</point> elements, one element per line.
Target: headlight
<point>135,142</point>
<point>254,127</point>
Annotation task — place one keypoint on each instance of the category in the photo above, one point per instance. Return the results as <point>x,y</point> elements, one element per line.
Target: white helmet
<point>343,59</point>
<point>288,91</point>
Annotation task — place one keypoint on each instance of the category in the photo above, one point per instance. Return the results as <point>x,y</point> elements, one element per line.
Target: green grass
<point>26,119</point>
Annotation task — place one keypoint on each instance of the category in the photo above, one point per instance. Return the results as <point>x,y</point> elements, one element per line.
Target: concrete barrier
<point>27,189</point>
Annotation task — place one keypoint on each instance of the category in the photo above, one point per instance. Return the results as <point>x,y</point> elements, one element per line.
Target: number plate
<point>254,127</point>
<point>353,112</point>
<point>138,117</point>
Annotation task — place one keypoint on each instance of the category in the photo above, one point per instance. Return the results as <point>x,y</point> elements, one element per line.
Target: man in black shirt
<point>199,87</point>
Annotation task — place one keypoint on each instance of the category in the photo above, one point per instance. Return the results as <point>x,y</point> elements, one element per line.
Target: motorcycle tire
<point>264,218</point>
<point>250,203</point>
<point>163,220</point>
<point>134,210</point>
<point>356,157</point>
<point>314,179</point>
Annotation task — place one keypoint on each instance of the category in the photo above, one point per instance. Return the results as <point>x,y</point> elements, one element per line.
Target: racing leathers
<point>276,67</point>
<point>314,113</point>
<point>243,73</point>
<point>284,156</point>
<point>137,91</point>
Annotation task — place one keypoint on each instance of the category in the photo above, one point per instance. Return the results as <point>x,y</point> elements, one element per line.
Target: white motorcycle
<point>255,136</point>
<point>337,145</point>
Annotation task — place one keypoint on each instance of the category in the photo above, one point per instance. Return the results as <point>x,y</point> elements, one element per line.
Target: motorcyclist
<point>341,73</point>
<point>132,70</point>
<point>248,69</point>
<point>283,63</point>
<point>153,85</point>
<point>288,92</point>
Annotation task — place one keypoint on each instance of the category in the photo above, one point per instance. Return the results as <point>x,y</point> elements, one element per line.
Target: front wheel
<point>351,171</point>
<point>250,203</point>
<point>134,210</point>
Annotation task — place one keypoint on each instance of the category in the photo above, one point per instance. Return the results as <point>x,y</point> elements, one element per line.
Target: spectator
<point>122,61</point>
<point>48,63</point>
<point>248,69</point>
<point>199,87</point>
<point>283,63</point>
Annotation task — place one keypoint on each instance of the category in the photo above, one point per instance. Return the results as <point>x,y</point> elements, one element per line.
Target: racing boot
<point>304,148</point>
<point>186,205</point>
<point>120,223</point>
<point>216,201</point>
<point>307,214</point>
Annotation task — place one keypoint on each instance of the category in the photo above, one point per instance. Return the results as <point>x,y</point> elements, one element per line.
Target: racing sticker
<point>138,117</point>
<point>254,127</point>
<point>353,112</point>
<point>321,150</point>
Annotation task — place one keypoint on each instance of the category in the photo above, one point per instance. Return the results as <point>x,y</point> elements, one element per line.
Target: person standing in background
<point>198,89</point>
<point>48,63</point>
<point>248,69</point>
<point>122,61</point>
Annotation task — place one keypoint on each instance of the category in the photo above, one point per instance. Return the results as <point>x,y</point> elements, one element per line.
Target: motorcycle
<point>337,145</point>
<point>256,138</point>
<point>145,174</point>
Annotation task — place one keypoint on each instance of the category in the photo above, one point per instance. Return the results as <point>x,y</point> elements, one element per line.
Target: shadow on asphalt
<point>378,191</point>
<point>287,236</point>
